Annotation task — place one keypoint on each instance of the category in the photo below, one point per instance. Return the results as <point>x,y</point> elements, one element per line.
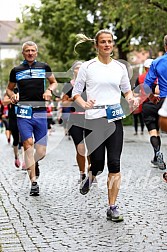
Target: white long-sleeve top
<point>104,83</point>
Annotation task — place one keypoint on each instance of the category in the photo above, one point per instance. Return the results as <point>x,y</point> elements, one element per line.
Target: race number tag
<point>24,112</point>
<point>114,112</point>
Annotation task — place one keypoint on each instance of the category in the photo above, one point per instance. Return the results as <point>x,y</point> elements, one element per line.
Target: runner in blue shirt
<point>158,71</point>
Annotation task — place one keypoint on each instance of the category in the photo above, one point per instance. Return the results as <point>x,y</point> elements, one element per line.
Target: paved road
<point>63,220</point>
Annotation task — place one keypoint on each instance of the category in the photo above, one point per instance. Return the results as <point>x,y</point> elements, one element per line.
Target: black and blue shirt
<point>31,81</point>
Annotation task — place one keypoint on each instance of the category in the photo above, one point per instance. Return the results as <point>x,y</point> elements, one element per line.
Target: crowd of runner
<point>89,109</point>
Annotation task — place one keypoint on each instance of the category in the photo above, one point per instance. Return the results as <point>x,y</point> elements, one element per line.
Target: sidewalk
<point>63,220</point>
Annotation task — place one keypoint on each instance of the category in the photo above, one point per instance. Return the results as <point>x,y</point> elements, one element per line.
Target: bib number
<point>114,112</point>
<point>24,112</point>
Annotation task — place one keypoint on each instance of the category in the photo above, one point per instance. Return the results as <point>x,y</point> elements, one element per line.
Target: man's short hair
<point>30,43</point>
<point>165,40</point>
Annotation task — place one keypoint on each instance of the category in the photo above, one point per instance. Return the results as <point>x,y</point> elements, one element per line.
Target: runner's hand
<point>134,103</point>
<point>154,99</point>
<point>89,104</point>
<point>14,98</point>
<point>47,95</point>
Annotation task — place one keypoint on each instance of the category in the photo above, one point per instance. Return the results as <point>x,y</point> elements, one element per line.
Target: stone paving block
<point>61,219</point>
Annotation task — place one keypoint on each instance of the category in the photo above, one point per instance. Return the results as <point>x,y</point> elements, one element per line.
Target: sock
<point>112,206</point>
<point>159,140</point>
<point>82,175</point>
<point>155,141</point>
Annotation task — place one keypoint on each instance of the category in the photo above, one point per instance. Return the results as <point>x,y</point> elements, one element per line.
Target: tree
<point>6,66</point>
<point>56,24</point>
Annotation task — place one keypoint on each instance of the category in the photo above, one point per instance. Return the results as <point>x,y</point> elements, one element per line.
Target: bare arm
<point>129,96</point>
<point>6,100</point>
<point>51,88</point>
<point>10,92</point>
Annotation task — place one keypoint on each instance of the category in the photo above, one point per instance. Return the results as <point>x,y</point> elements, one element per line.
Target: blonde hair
<point>83,38</point>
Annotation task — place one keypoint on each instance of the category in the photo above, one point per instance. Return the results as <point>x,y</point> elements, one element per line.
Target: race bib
<point>114,112</point>
<point>24,111</point>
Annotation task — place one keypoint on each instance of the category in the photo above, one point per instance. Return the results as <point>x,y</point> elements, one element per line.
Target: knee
<point>41,152</point>
<point>81,149</point>
<point>114,179</point>
<point>28,144</point>
<point>114,166</point>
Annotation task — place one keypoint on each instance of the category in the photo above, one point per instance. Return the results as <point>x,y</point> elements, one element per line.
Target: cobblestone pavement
<point>63,220</point>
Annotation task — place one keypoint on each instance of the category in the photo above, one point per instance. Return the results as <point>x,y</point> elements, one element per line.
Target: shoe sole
<point>83,192</point>
<point>162,167</point>
<point>34,194</point>
<point>115,220</point>
<point>17,166</point>
<point>154,165</point>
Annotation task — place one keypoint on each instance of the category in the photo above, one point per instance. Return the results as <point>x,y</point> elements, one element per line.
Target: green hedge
<point>128,120</point>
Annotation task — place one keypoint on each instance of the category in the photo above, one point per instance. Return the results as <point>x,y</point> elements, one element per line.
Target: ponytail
<point>81,39</point>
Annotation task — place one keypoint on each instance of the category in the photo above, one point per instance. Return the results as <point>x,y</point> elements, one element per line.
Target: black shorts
<point>150,114</point>
<point>76,128</point>
<point>77,134</point>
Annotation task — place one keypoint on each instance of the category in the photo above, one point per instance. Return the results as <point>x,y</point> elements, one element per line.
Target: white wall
<point>8,53</point>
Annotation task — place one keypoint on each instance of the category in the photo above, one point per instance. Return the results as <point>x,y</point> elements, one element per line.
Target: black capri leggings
<point>150,114</point>
<point>14,130</point>
<point>6,123</point>
<point>101,135</point>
